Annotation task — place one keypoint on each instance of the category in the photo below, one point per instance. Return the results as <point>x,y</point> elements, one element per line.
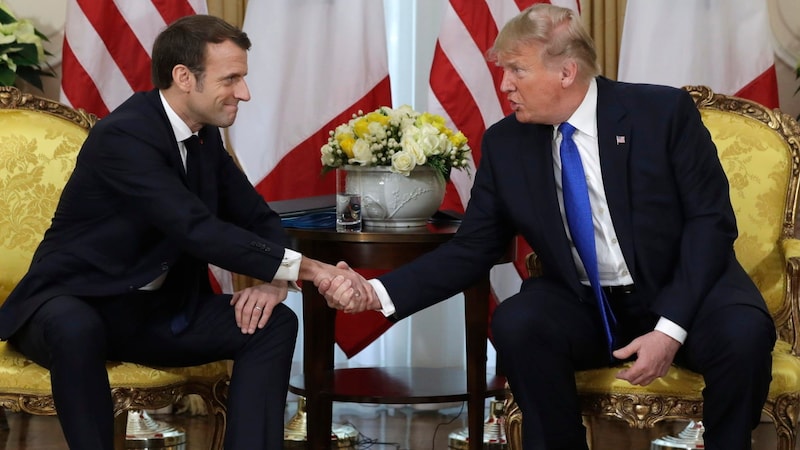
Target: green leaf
<point>26,56</point>
<point>41,35</point>
<point>5,17</point>
<point>4,48</point>
<point>31,75</point>
<point>7,76</point>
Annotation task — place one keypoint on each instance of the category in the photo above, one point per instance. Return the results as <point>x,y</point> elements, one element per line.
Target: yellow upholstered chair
<point>760,152</point>
<point>39,140</point>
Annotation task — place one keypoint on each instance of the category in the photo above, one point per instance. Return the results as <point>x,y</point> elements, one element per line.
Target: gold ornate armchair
<point>760,152</point>
<point>39,140</point>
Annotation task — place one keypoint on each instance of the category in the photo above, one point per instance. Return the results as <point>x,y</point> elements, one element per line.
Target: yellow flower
<point>378,117</point>
<point>346,142</point>
<point>458,139</point>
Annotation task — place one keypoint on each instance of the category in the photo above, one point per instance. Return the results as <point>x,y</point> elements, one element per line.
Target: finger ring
<point>258,308</point>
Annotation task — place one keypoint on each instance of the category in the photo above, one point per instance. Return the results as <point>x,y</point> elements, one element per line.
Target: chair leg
<point>120,430</point>
<point>3,420</point>
<point>784,412</point>
<point>588,422</point>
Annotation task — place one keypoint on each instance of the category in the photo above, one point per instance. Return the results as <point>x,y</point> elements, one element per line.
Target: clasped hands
<point>342,287</point>
<point>346,290</point>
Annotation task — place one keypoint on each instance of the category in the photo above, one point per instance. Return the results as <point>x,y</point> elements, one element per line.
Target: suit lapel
<point>614,141</point>
<point>174,156</point>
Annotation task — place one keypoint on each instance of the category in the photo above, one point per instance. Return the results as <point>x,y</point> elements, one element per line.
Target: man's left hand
<point>254,305</point>
<point>654,351</point>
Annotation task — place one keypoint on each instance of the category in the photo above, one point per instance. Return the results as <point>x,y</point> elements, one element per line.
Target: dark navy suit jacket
<point>666,191</point>
<point>126,215</point>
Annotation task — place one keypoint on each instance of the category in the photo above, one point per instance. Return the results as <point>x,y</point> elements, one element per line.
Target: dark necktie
<point>579,219</point>
<point>187,270</point>
<point>194,150</point>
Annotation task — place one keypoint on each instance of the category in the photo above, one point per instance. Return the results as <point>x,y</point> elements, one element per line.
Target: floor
<point>370,426</point>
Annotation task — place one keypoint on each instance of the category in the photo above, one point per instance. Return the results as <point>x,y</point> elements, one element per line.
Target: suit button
<point>164,267</point>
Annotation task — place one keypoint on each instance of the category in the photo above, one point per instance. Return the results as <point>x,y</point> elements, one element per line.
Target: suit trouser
<point>73,338</point>
<point>544,334</point>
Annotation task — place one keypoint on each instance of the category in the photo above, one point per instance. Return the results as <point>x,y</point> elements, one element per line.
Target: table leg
<point>476,315</point>
<point>318,340</point>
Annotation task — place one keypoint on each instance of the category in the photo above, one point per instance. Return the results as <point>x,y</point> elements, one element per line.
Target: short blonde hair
<point>558,30</point>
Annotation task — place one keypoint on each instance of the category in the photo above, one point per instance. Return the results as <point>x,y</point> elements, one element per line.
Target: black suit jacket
<point>667,195</point>
<point>126,216</point>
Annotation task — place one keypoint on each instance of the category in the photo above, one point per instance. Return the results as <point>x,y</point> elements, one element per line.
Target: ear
<point>569,72</point>
<point>183,78</point>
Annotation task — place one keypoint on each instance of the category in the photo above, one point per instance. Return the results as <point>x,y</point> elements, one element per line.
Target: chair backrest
<point>39,140</point>
<point>760,152</point>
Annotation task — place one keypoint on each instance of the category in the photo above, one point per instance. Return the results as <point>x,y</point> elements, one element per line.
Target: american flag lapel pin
<point>620,140</point>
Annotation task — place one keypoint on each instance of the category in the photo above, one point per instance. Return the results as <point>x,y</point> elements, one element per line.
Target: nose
<point>506,85</point>
<point>242,91</point>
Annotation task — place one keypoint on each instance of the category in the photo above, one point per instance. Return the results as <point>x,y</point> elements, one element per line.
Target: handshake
<point>342,287</point>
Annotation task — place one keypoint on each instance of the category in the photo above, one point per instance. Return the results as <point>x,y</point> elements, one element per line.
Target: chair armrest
<point>791,248</point>
<point>786,318</point>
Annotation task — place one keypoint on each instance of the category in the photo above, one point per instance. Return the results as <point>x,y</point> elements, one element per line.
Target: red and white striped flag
<point>313,64</point>
<point>723,44</point>
<point>465,89</point>
<point>107,45</point>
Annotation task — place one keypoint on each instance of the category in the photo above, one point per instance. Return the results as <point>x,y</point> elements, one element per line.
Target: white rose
<point>361,152</point>
<point>432,141</point>
<point>410,143</point>
<point>403,162</point>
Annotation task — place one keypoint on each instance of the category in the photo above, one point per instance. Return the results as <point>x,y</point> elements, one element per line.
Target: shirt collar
<point>585,118</point>
<point>179,127</point>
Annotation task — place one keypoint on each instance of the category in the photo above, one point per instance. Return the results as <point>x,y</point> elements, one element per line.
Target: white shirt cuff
<point>671,329</point>
<point>289,270</point>
<point>387,306</point>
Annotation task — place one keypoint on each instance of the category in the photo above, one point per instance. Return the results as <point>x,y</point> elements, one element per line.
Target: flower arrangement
<point>21,51</point>
<point>401,139</point>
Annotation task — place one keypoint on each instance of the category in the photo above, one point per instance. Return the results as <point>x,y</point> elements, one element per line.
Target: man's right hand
<point>343,291</point>
<point>355,296</point>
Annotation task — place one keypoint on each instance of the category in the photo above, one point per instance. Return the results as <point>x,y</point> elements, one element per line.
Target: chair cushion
<point>785,370</point>
<point>677,382</point>
<point>19,374</point>
<point>684,383</point>
<point>206,372</point>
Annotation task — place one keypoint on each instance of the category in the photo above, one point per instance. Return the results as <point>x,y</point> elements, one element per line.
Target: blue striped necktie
<point>578,210</point>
